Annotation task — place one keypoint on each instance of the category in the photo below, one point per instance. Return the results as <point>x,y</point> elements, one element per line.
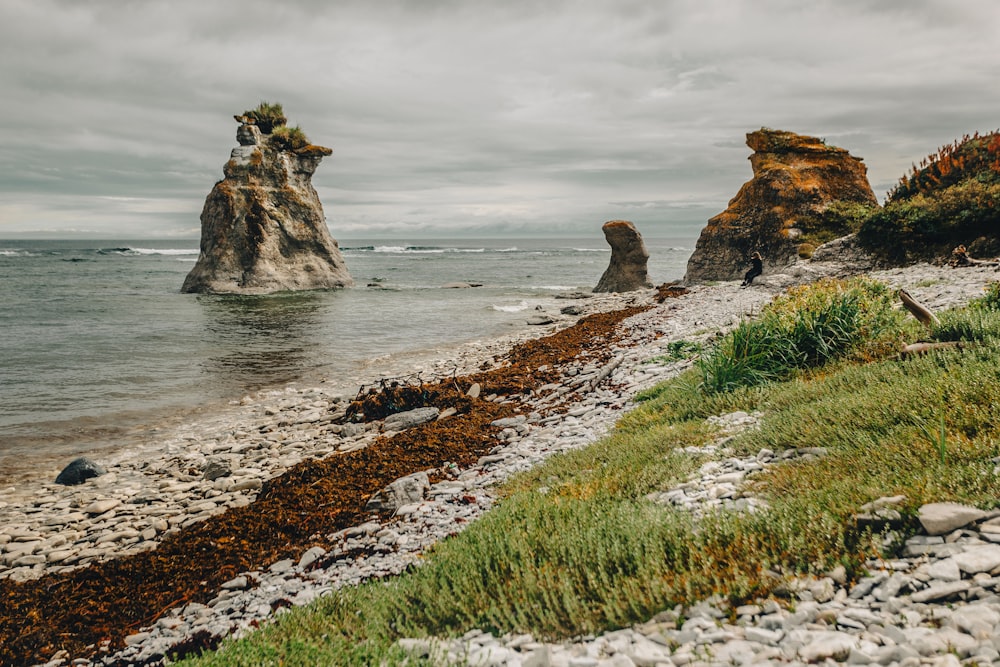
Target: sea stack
<point>262,228</point>
<point>627,270</point>
<point>795,178</point>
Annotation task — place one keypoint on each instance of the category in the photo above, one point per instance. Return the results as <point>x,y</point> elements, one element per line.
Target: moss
<point>267,116</point>
<point>289,139</point>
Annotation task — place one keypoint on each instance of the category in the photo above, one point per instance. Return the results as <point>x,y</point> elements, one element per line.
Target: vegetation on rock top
<point>951,199</point>
<point>267,116</point>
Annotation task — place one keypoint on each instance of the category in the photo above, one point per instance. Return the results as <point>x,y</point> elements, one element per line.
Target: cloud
<point>466,117</point>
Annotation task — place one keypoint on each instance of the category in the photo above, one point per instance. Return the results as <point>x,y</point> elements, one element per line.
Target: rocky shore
<point>915,610</point>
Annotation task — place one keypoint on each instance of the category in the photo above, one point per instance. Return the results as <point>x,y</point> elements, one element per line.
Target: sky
<point>478,118</point>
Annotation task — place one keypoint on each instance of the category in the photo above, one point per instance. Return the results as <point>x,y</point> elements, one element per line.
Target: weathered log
<point>914,349</point>
<point>918,310</point>
<point>960,257</point>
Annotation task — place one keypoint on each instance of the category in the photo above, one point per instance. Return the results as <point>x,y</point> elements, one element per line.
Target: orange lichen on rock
<point>795,177</point>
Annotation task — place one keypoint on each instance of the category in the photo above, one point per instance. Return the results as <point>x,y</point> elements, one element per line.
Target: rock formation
<point>795,178</point>
<point>262,227</point>
<point>79,471</point>
<point>627,270</point>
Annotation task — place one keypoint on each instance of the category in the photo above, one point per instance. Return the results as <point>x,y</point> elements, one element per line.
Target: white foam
<point>512,309</point>
<point>163,251</point>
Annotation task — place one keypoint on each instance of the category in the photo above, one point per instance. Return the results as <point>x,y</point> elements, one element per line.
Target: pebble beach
<point>938,605</point>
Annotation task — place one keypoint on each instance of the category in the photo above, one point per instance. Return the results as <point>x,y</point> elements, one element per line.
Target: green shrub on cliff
<point>286,138</point>
<point>267,116</point>
<point>929,225</point>
<point>952,198</point>
<point>839,219</point>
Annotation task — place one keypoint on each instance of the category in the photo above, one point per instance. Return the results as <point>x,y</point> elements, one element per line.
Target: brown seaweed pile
<point>94,608</point>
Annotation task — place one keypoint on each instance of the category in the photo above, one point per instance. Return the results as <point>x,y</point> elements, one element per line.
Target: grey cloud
<point>455,116</point>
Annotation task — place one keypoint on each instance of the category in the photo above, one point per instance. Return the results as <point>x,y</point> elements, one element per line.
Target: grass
<point>574,547</point>
<point>811,326</point>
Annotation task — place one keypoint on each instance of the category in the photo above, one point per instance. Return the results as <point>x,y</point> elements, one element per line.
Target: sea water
<point>95,335</point>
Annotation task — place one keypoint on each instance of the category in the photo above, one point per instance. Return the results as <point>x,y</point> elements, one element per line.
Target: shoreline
<point>701,313</point>
<point>106,437</point>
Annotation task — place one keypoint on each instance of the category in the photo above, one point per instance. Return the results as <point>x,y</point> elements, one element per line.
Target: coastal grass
<point>574,546</point>
<point>809,327</point>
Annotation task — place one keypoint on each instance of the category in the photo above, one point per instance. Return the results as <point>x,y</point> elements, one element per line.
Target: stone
<point>311,556</point>
<point>79,471</point>
<point>941,591</point>
<point>263,228</point>
<point>539,320</point>
<point>795,178</point>
<point>823,645</point>
<point>945,569</point>
<point>216,468</point>
<point>627,270</point>
<point>403,491</point>
<point>979,559</point>
<point>102,506</point>
<point>404,420</point>
<point>942,518</point>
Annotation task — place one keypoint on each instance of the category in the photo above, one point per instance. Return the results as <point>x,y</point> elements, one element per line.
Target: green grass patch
<point>574,547</point>
<point>809,327</point>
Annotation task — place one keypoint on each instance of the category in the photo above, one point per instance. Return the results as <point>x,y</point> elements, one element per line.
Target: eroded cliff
<point>795,179</point>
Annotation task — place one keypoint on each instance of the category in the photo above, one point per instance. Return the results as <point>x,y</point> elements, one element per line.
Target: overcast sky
<point>492,117</point>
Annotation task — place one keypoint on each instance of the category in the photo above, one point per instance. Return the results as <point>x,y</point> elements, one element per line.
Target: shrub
<point>973,157</point>
<point>928,225</point>
<point>808,327</point>
<point>267,116</point>
<point>838,219</point>
<point>286,138</point>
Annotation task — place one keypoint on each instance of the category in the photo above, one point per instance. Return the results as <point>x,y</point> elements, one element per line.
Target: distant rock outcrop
<point>262,227</point>
<point>795,178</point>
<point>627,269</point>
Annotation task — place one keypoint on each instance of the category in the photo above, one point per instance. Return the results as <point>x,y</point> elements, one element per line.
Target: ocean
<point>96,338</point>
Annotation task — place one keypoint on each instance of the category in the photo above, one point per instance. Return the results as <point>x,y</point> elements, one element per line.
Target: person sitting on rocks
<point>756,268</point>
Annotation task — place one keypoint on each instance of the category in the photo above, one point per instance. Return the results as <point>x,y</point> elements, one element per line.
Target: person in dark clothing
<point>756,268</point>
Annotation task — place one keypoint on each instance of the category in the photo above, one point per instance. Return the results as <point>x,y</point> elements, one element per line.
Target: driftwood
<point>918,310</point>
<point>929,320</point>
<point>960,257</point>
<point>914,349</point>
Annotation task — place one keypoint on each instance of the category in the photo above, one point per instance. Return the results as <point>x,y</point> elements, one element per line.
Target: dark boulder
<point>79,471</point>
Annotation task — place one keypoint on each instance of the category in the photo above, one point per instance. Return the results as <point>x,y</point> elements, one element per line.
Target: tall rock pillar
<point>795,178</point>
<point>626,271</point>
<point>263,228</point>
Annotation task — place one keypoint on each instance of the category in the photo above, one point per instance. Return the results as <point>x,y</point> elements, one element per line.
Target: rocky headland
<point>795,178</point>
<point>262,227</point>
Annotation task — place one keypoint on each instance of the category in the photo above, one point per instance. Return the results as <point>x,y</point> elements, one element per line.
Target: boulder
<point>795,179</point>
<point>79,471</point>
<point>404,420</point>
<point>215,468</point>
<point>262,227</point>
<point>403,491</point>
<point>627,270</point>
<point>942,518</point>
